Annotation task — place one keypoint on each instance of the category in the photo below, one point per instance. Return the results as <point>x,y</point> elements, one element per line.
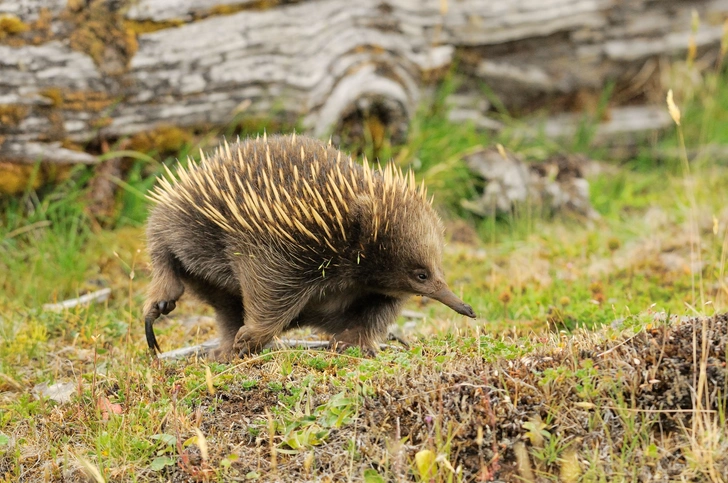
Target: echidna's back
<point>290,190</point>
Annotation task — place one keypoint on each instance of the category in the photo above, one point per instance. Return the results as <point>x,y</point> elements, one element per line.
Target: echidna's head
<point>406,257</point>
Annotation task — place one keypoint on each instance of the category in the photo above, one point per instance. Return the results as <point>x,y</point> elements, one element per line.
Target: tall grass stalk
<point>705,434</point>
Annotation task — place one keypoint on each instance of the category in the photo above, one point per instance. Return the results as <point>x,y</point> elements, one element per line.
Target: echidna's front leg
<point>365,324</point>
<point>270,304</point>
<point>264,319</point>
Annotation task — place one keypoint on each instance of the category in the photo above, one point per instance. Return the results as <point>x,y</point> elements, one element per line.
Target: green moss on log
<point>12,114</point>
<point>101,33</point>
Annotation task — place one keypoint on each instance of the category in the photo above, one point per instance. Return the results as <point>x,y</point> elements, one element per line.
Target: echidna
<point>286,231</point>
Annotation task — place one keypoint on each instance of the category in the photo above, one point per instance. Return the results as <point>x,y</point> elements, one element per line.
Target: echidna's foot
<point>165,306</point>
<point>245,351</point>
<point>395,337</point>
<point>156,309</point>
<point>224,352</point>
<point>356,336</point>
<point>340,347</point>
<point>248,342</point>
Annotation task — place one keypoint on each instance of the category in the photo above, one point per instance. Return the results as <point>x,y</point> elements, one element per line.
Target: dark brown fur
<point>338,247</point>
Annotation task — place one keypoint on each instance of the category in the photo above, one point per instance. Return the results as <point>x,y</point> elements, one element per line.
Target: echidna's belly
<point>333,302</point>
<point>329,310</point>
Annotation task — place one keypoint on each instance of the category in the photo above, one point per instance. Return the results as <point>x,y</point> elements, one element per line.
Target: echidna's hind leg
<point>164,290</point>
<point>228,312</point>
<point>364,324</point>
<point>230,318</point>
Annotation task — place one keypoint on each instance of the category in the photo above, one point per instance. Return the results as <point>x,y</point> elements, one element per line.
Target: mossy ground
<point>590,360</point>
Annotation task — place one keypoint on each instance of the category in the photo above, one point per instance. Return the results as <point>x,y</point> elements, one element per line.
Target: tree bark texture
<point>73,72</point>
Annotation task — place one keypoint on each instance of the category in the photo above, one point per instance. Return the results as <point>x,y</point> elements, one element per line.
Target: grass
<point>599,354</point>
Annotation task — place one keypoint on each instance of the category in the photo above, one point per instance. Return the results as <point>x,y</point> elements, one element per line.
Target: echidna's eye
<point>421,275</point>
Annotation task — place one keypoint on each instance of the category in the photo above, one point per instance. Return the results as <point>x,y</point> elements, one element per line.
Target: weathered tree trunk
<point>74,72</point>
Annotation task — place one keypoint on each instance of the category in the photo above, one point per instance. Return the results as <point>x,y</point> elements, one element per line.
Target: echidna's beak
<point>448,298</point>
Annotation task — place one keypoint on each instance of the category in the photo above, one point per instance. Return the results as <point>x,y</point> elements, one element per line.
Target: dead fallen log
<point>554,185</point>
<point>76,73</point>
<point>87,299</point>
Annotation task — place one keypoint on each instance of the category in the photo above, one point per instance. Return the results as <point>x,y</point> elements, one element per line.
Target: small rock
<point>60,392</point>
<point>556,184</point>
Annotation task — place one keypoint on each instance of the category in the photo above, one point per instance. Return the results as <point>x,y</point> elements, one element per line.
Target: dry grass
<point>644,400</point>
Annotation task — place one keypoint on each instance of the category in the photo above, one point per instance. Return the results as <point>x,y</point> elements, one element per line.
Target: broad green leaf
<point>165,438</point>
<point>425,461</point>
<point>161,462</point>
<point>372,476</point>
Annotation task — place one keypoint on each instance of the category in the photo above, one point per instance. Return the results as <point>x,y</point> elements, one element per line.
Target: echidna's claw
<point>395,337</point>
<point>340,347</point>
<point>149,330</point>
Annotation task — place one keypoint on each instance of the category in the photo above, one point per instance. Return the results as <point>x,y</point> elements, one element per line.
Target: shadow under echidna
<point>287,231</point>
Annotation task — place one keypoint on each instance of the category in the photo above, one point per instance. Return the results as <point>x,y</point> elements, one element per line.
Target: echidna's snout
<point>448,298</point>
